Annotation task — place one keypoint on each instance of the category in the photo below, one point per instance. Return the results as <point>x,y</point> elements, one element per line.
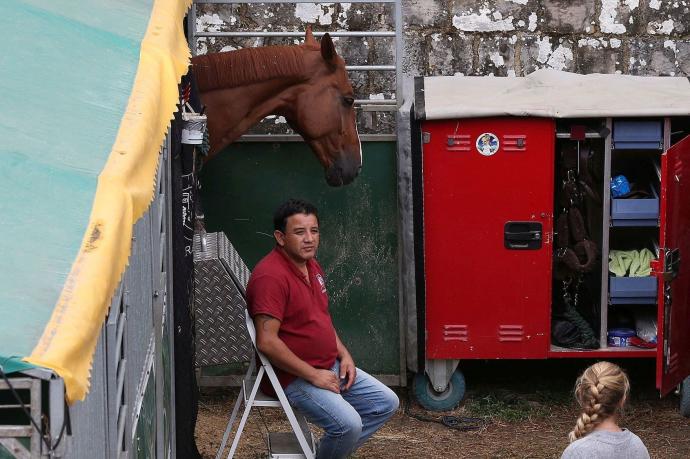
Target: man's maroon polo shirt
<point>277,288</point>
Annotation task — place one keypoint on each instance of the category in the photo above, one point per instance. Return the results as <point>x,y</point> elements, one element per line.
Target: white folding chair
<point>283,445</point>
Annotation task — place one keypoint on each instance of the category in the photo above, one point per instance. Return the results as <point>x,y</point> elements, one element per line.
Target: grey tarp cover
<point>553,94</point>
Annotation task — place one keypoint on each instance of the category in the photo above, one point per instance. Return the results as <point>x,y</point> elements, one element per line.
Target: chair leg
<point>245,415</point>
<point>231,422</point>
<point>294,423</point>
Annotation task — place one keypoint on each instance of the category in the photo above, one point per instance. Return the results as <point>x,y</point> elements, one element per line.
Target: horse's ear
<point>309,37</point>
<point>328,49</point>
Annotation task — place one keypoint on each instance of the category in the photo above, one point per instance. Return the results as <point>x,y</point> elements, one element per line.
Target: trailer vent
<point>514,142</point>
<point>458,142</point>
<point>672,363</point>
<point>455,332</point>
<point>508,333</point>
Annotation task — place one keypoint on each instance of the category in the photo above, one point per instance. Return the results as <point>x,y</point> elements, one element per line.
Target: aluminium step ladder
<point>281,445</point>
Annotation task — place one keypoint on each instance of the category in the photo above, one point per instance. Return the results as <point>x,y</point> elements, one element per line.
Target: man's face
<point>301,238</point>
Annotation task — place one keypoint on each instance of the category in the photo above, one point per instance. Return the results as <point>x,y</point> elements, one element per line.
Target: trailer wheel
<point>439,401</point>
<point>685,398</point>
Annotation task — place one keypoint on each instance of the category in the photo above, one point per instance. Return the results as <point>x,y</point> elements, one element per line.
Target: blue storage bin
<point>637,135</point>
<point>635,212</point>
<point>632,290</point>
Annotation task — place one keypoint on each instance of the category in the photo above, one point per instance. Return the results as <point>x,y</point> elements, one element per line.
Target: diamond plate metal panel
<point>220,277</point>
<point>219,247</point>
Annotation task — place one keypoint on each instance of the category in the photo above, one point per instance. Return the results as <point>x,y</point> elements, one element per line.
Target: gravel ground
<point>525,409</point>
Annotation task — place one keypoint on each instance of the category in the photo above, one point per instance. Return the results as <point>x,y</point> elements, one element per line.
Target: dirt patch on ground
<point>519,409</point>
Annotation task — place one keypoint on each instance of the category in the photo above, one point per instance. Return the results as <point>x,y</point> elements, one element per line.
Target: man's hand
<point>348,372</point>
<point>326,379</point>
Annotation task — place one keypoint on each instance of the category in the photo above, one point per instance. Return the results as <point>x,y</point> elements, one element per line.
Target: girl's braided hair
<point>601,391</point>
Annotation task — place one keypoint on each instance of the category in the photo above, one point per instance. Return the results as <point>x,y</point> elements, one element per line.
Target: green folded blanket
<point>632,263</point>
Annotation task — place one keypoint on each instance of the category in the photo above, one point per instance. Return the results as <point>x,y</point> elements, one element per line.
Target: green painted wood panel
<point>244,184</point>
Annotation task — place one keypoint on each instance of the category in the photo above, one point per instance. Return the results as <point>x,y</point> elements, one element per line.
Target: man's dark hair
<point>290,208</point>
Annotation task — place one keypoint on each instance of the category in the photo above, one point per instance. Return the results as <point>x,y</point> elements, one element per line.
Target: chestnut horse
<point>307,84</point>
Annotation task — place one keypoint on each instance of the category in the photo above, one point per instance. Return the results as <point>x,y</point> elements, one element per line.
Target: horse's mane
<point>249,65</point>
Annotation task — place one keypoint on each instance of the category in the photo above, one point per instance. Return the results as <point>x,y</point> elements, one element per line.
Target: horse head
<point>307,84</point>
<point>323,112</point>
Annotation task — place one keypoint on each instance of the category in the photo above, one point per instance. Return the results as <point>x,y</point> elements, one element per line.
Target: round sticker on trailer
<point>487,144</point>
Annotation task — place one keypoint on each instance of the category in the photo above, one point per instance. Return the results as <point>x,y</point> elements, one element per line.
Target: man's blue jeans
<point>348,418</point>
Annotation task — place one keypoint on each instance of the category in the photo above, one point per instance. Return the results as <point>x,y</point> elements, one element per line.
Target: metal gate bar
<point>9,434</point>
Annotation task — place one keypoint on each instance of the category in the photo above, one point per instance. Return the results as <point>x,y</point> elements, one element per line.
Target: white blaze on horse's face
<point>325,116</point>
<point>359,141</point>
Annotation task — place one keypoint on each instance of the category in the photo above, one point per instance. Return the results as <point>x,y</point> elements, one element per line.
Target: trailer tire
<point>439,401</point>
<point>685,398</point>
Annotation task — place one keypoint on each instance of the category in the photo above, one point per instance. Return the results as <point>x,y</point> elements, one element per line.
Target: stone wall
<point>476,37</point>
<point>516,37</point>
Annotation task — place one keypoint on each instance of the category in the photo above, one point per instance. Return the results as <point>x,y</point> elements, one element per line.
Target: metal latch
<point>671,264</point>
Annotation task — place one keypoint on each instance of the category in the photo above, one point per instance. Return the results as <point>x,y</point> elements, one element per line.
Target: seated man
<point>288,301</point>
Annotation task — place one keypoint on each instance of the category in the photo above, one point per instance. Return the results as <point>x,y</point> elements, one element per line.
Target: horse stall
<point>86,329</point>
<point>243,184</point>
<point>550,222</point>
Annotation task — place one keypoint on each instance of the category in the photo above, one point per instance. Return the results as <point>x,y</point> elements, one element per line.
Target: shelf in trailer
<point>607,352</point>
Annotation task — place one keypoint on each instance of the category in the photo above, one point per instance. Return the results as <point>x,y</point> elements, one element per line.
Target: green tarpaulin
<point>66,72</point>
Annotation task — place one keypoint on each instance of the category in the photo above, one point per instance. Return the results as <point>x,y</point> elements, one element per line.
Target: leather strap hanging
<point>577,256</point>
<point>584,177</point>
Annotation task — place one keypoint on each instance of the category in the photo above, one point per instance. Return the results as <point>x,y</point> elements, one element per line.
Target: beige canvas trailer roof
<point>553,94</point>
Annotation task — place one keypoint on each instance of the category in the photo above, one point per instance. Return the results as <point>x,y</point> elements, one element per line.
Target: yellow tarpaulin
<point>124,192</point>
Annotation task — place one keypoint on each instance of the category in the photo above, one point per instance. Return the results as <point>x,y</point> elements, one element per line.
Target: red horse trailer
<point>551,216</point>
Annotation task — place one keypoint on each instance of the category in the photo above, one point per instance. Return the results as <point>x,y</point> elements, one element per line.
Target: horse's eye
<point>349,101</point>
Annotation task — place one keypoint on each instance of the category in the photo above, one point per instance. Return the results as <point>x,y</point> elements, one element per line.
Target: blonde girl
<point>602,391</point>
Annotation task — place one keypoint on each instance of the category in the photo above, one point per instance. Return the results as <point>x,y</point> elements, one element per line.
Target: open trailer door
<point>673,358</point>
